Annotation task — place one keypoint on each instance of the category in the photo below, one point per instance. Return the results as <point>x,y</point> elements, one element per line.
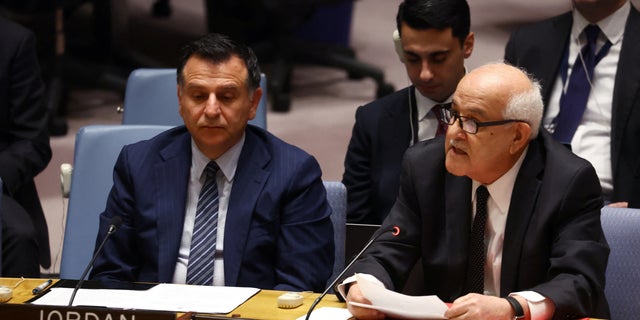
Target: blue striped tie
<point>203,241</point>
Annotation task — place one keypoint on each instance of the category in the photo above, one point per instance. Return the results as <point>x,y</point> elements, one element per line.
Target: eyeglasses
<point>470,125</point>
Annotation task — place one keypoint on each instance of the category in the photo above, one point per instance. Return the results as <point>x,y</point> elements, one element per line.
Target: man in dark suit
<point>24,153</point>
<point>544,253</point>
<point>433,40</point>
<point>607,132</point>
<point>273,220</point>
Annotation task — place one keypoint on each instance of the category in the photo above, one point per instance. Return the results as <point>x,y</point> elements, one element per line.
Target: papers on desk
<point>328,313</point>
<point>399,305</point>
<point>162,297</point>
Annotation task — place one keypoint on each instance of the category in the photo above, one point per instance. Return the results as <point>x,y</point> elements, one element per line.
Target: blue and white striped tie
<point>203,241</point>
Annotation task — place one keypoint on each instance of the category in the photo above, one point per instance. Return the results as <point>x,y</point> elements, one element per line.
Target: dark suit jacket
<point>539,49</point>
<point>24,135</point>
<point>554,243</point>
<point>381,134</point>
<point>278,232</point>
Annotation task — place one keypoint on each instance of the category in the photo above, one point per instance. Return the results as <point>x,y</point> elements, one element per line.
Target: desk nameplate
<point>262,306</point>
<point>42,312</point>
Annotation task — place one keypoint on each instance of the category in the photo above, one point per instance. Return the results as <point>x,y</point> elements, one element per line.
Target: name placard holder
<point>41,312</point>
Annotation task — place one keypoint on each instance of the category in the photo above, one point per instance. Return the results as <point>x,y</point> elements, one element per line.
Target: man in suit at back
<point>432,40</point>
<point>605,127</point>
<point>24,153</point>
<point>217,201</point>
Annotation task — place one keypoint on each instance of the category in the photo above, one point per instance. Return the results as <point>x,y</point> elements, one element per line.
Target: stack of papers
<point>399,305</point>
<point>162,297</point>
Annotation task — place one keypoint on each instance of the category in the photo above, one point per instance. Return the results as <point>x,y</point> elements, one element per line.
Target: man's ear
<point>179,93</point>
<point>521,137</point>
<point>257,95</point>
<point>467,45</point>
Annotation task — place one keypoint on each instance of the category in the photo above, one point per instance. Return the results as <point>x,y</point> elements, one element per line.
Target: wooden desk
<point>262,306</point>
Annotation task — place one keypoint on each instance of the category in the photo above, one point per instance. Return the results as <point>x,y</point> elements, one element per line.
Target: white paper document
<point>328,313</point>
<point>162,297</point>
<point>399,305</point>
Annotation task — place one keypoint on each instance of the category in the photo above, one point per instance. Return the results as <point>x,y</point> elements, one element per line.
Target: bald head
<point>497,109</point>
<point>496,82</point>
<point>514,93</point>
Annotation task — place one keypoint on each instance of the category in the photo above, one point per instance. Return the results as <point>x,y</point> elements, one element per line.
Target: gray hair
<point>527,106</point>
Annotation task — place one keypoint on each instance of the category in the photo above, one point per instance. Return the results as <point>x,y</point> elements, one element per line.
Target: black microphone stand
<point>395,231</point>
<point>115,222</point>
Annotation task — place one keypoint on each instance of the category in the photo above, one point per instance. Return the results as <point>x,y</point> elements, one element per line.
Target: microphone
<point>395,231</point>
<point>113,226</point>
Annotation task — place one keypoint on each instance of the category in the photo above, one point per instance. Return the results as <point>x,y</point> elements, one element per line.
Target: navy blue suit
<point>278,232</point>
<point>381,134</point>
<point>540,48</point>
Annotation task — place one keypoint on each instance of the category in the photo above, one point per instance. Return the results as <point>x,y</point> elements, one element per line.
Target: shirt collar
<point>501,189</point>
<point>612,26</point>
<point>228,161</point>
<point>425,104</point>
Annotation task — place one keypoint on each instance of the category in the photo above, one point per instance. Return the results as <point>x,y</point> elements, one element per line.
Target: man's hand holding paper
<point>369,300</point>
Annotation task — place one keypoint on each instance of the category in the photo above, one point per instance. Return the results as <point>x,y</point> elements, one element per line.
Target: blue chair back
<point>96,150</point>
<point>337,197</point>
<point>622,229</point>
<point>151,97</point>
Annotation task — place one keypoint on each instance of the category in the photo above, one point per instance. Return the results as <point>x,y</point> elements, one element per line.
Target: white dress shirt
<point>427,120</point>
<point>228,163</point>
<point>592,140</point>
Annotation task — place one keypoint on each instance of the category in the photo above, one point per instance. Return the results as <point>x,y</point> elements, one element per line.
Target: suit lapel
<point>171,180</point>
<point>397,119</point>
<point>626,93</point>
<point>552,52</point>
<point>250,178</point>
<point>458,224</point>
<point>523,201</point>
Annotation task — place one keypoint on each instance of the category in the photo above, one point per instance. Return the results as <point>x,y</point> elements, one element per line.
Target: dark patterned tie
<point>574,101</point>
<point>477,254</point>
<point>442,123</point>
<point>203,241</point>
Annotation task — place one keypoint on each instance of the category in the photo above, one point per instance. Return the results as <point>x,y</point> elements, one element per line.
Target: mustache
<point>457,144</point>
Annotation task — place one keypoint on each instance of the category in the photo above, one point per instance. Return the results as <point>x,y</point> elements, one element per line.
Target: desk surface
<point>262,306</point>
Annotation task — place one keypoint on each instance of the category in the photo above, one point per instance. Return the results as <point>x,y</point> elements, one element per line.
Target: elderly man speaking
<point>505,219</point>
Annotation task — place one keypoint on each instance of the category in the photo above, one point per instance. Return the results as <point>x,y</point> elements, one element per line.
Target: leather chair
<point>151,98</point>
<point>96,150</point>
<point>621,228</point>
